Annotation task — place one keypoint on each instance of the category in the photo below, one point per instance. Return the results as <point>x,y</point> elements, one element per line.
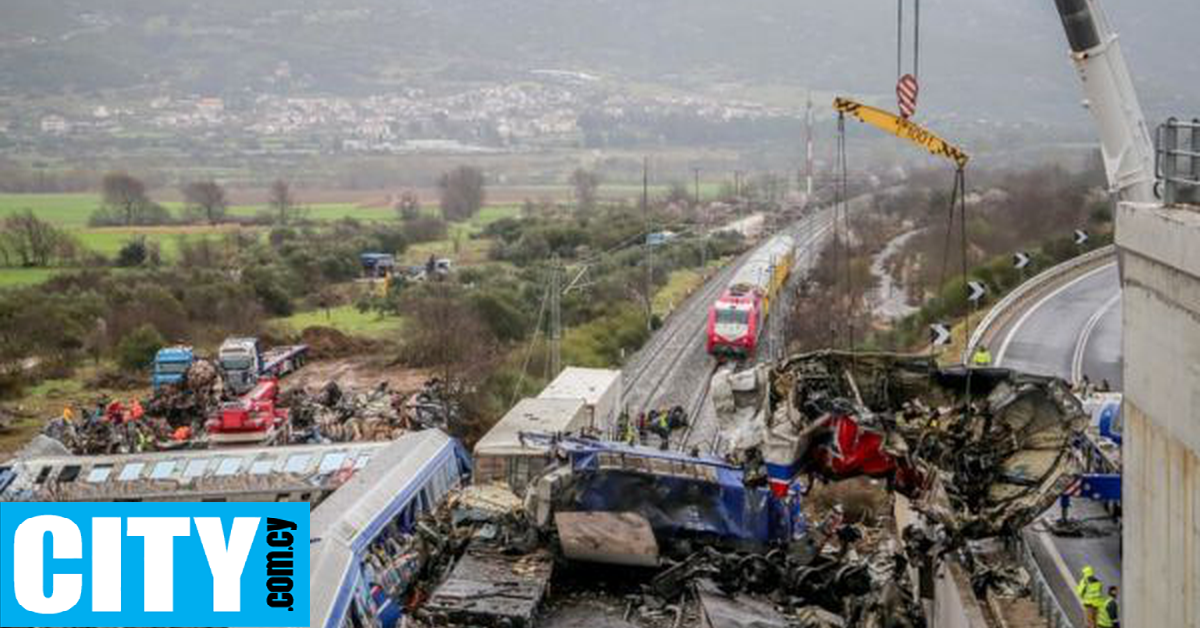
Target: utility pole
<point>649,249</point>
<point>810,220</point>
<point>703,222</point>
<point>555,316</point>
<point>808,160</point>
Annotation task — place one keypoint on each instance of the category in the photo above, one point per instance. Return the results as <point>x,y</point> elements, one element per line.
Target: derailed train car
<point>623,504</point>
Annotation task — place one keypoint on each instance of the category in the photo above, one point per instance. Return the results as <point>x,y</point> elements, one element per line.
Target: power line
<point>555,317</point>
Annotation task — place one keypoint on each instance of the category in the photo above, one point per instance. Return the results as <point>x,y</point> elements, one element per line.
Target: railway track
<point>655,365</point>
<point>674,368</point>
<point>701,414</point>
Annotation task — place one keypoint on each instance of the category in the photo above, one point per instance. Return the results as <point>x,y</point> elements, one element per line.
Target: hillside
<point>984,58</point>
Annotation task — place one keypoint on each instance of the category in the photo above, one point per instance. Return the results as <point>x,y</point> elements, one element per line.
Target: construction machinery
<point>252,418</point>
<point>243,361</point>
<point>171,365</point>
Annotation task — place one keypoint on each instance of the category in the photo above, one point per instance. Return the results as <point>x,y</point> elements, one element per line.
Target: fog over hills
<point>1000,59</point>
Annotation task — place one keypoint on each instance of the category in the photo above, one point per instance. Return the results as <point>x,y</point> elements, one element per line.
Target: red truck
<point>252,418</point>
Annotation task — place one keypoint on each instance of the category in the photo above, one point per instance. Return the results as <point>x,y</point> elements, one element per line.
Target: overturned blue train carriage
<point>638,503</point>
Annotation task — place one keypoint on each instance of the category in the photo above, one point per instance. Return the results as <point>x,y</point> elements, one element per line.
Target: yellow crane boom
<point>903,129</point>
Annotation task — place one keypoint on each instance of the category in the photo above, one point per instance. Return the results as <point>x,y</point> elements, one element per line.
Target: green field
<point>71,211</point>
<point>346,319</point>
<point>17,277</point>
<point>64,210</point>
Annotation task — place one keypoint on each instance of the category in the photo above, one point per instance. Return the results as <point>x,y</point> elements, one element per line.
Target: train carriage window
<point>163,470</point>
<point>297,463</point>
<point>131,471</point>
<point>331,462</point>
<point>228,466</point>
<point>69,473</point>
<point>7,475</point>
<point>262,466</point>
<point>195,468</point>
<point>99,473</point>
<point>43,475</point>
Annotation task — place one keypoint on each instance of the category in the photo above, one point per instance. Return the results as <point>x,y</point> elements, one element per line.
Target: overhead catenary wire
<point>537,330</point>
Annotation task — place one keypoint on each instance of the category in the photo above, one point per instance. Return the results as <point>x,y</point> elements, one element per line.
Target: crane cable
<point>842,207</point>
<point>958,202</point>
<point>900,39</point>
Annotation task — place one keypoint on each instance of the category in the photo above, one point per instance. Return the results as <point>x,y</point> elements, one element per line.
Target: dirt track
<point>358,373</point>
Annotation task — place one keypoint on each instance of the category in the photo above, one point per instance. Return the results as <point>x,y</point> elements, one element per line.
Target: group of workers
<point>660,422</point>
<point>111,412</point>
<point>114,426</point>
<point>1100,608</point>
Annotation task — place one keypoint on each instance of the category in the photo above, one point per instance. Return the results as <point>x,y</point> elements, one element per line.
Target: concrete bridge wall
<point>1160,258</point>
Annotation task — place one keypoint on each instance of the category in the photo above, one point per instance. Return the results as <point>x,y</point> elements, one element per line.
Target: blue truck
<point>377,265</point>
<point>171,365</point>
<point>243,361</point>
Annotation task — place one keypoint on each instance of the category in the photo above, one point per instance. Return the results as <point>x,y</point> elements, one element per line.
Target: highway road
<point>1072,331</point>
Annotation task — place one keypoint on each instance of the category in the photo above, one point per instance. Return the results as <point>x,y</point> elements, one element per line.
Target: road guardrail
<point>1012,303</point>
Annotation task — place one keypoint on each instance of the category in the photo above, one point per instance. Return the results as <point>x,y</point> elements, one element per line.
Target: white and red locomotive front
<point>734,322</point>
<point>737,319</point>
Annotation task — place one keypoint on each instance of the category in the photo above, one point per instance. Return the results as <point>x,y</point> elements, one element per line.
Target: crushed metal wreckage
<point>731,555</point>
<point>177,415</point>
<point>998,444</point>
<point>333,414</point>
<point>738,540</point>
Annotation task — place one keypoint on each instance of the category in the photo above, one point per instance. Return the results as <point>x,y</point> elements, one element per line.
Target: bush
<point>143,214</point>
<point>501,313</point>
<point>424,229</point>
<point>136,350</point>
<point>270,291</point>
<point>133,253</point>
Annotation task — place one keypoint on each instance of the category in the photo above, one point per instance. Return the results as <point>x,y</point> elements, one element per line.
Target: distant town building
<point>55,125</point>
<point>210,107</point>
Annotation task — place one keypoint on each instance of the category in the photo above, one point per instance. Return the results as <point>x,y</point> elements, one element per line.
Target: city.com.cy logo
<point>154,564</point>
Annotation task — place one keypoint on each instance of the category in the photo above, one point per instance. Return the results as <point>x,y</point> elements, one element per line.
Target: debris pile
<point>176,415</point>
<point>981,452</point>
<point>490,568</point>
<point>187,404</point>
<point>337,415</point>
<point>435,405</point>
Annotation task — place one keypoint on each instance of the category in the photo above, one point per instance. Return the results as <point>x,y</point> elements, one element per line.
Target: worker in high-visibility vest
<point>1109,615</point>
<point>982,357</point>
<point>136,412</point>
<point>1091,595</point>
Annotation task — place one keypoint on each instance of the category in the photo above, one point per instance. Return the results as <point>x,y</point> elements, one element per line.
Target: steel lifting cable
<point>900,38</point>
<point>838,223</point>
<point>845,196</point>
